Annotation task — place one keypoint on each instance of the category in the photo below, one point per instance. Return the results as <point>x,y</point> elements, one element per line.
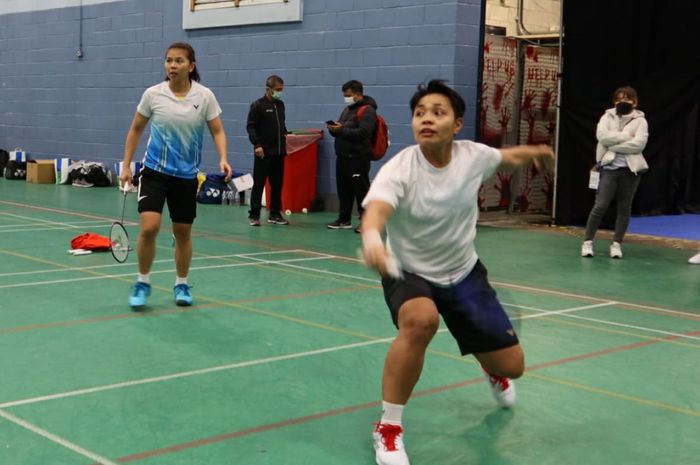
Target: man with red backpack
<point>353,134</point>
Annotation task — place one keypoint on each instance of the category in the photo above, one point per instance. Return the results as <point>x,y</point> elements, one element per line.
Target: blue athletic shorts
<point>471,311</point>
<point>181,194</point>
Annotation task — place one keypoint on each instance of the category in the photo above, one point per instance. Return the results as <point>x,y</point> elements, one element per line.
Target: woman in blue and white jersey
<point>178,108</point>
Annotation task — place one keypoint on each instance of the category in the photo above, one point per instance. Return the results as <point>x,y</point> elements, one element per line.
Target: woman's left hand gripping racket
<point>118,237</point>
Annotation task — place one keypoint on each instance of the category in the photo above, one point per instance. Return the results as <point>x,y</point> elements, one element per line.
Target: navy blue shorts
<point>470,309</point>
<point>181,194</point>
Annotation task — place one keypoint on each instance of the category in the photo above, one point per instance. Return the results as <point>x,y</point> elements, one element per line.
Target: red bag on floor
<point>91,241</point>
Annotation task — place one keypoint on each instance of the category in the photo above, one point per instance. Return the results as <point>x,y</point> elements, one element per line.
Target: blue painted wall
<point>54,103</point>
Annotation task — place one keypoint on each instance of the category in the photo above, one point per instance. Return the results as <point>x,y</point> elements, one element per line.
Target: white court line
<point>163,260</point>
<point>60,224</point>
<point>546,312</point>
<point>47,225</point>
<point>42,221</point>
<point>566,312</point>
<point>187,374</point>
<point>203,371</point>
<point>499,283</point>
<point>585,297</point>
<point>320,256</point>
<point>20,225</point>
<point>516,286</point>
<point>15,225</point>
<point>56,439</point>
<point>557,312</point>
<point>131,274</point>
<point>332,273</point>
<point>549,291</point>
<point>640,328</point>
<point>53,210</point>
<point>61,228</point>
<point>232,366</point>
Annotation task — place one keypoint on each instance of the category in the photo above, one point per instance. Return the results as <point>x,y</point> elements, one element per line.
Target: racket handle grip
<point>392,268</point>
<point>392,265</point>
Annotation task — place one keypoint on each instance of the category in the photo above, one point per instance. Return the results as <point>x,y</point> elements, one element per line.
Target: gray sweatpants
<point>620,183</point>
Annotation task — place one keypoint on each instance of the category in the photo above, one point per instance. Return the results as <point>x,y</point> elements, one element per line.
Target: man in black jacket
<point>267,132</point>
<point>353,133</point>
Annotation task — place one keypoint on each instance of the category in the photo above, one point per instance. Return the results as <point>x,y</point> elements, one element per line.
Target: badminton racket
<point>118,237</point>
<point>393,270</point>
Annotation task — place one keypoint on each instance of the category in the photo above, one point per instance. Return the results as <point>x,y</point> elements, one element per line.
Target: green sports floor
<point>279,360</point>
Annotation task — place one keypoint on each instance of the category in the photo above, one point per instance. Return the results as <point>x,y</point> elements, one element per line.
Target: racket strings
<point>118,237</point>
<point>119,241</point>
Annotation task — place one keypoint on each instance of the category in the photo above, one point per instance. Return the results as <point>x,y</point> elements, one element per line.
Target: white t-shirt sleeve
<point>144,106</point>
<point>213,108</point>
<point>492,159</point>
<point>387,185</point>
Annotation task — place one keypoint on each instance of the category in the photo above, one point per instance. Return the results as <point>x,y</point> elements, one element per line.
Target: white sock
<point>391,413</point>
<point>144,278</point>
<point>180,280</point>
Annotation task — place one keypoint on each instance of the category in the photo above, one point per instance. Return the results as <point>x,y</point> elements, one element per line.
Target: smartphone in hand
<point>331,122</point>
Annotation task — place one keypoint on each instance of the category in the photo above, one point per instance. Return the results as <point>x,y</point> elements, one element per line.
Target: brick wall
<point>55,103</point>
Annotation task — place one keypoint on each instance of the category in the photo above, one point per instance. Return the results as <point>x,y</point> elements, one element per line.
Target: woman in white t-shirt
<point>179,108</point>
<point>426,197</point>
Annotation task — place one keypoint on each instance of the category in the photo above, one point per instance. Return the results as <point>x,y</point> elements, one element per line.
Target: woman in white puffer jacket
<point>622,134</point>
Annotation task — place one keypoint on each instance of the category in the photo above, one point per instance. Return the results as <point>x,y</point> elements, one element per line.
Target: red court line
<point>55,210</point>
<point>656,311</point>
<point>353,408</point>
<point>196,232</point>
<point>178,310</point>
<point>624,305</point>
<point>219,236</point>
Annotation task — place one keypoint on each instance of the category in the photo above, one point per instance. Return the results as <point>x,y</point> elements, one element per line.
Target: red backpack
<point>91,241</point>
<point>380,139</point>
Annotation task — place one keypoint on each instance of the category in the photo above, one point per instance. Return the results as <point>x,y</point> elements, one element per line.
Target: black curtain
<point>651,45</point>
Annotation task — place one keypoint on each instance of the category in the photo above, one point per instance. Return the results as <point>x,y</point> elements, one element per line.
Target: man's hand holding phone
<point>333,126</point>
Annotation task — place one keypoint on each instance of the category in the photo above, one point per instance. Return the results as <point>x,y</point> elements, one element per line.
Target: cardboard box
<point>41,172</point>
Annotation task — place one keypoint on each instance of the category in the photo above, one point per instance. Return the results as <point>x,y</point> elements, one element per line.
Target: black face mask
<point>623,108</point>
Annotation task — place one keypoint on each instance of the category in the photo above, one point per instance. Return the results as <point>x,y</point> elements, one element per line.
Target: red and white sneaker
<point>388,445</point>
<point>502,388</point>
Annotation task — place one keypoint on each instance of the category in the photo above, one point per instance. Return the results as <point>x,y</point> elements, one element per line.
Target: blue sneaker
<point>139,292</point>
<point>183,296</point>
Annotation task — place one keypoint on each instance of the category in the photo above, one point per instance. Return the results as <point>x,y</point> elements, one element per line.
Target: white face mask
<point>276,95</point>
<point>349,100</point>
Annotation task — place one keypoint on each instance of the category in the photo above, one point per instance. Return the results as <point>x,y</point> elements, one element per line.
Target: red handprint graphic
<point>547,100</point>
<point>522,201</point>
<point>532,54</point>
<point>528,100</point>
<point>504,188</point>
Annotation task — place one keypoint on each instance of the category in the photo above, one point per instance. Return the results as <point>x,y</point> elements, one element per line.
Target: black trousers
<point>620,183</point>
<point>271,168</point>
<point>352,183</point>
